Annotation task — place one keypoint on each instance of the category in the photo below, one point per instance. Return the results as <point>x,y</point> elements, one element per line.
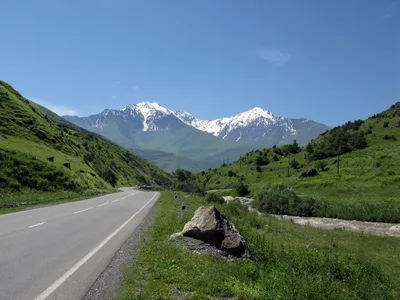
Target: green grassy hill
<point>367,187</point>
<point>83,162</point>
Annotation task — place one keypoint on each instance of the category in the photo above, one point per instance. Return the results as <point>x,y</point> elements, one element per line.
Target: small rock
<point>309,173</point>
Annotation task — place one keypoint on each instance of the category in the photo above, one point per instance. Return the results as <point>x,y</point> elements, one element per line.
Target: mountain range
<point>176,139</point>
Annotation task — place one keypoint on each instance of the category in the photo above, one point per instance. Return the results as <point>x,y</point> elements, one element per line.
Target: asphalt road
<point>58,252</point>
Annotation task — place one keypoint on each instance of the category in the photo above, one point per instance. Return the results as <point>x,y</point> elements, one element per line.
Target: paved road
<point>57,252</point>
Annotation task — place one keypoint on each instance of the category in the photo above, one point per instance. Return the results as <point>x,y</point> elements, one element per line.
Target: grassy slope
<point>29,133</point>
<point>290,262</point>
<point>368,187</point>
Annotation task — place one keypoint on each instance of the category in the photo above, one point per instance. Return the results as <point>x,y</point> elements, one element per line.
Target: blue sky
<point>330,61</point>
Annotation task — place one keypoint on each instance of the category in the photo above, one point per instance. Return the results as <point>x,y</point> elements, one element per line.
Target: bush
<point>231,173</point>
<point>321,165</point>
<point>261,161</point>
<point>258,169</point>
<point>182,175</point>
<point>275,158</point>
<point>282,200</point>
<point>242,190</point>
<point>390,137</point>
<point>385,124</point>
<point>191,186</point>
<point>213,198</point>
<point>294,164</point>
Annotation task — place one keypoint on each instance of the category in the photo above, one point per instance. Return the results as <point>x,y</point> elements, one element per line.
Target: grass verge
<point>13,202</point>
<point>290,261</point>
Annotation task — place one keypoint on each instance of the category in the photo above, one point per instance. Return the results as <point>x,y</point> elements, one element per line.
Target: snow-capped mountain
<point>256,126</point>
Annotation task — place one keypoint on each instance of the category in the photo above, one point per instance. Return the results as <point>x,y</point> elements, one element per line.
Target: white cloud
<point>60,110</point>
<point>113,97</point>
<point>274,56</point>
<point>135,87</point>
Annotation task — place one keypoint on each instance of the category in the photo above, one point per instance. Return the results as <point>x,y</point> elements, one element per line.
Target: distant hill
<point>41,151</point>
<point>367,186</point>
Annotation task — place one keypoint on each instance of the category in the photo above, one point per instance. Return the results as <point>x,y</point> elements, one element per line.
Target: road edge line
<point>47,292</point>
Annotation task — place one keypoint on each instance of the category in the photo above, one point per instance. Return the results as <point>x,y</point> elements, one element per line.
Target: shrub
<point>261,161</point>
<point>213,198</point>
<point>390,137</point>
<point>258,169</point>
<point>281,199</point>
<point>275,158</point>
<point>294,164</point>
<point>385,124</point>
<point>321,165</point>
<point>191,186</point>
<point>182,174</point>
<point>242,190</point>
<point>231,173</point>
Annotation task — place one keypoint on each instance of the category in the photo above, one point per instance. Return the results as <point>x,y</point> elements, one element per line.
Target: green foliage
<point>291,148</point>
<point>242,190</point>
<point>182,174</point>
<point>342,139</point>
<point>294,164</point>
<point>321,165</point>
<point>282,200</point>
<point>289,262</point>
<point>262,161</point>
<point>385,124</point>
<point>213,198</point>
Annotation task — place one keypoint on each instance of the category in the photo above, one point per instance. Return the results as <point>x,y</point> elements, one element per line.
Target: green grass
<point>17,201</point>
<point>289,262</point>
<point>29,133</point>
<point>367,188</point>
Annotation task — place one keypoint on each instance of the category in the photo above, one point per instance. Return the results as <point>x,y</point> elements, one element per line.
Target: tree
<point>182,174</point>
<point>386,124</point>
<point>262,161</point>
<point>294,164</point>
<point>310,148</point>
<point>258,169</point>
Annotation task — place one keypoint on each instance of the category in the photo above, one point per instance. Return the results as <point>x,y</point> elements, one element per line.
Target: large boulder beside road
<point>212,227</point>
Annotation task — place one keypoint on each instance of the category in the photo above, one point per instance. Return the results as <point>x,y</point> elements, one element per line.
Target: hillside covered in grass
<point>362,183</point>
<point>41,152</point>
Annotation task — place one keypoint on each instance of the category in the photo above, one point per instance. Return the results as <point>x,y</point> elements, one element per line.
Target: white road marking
<point>115,200</point>
<point>80,263</point>
<point>35,225</point>
<point>102,204</point>
<point>79,211</point>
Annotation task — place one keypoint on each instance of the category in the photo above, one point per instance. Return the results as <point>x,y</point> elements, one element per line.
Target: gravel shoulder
<point>108,284</point>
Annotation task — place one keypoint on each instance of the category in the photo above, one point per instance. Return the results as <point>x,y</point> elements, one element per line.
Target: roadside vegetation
<point>362,183</point>
<point>45,158</point>
<point>289,261</point>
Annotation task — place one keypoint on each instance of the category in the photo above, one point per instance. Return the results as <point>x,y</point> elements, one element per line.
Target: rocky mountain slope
<point>150,126</point>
